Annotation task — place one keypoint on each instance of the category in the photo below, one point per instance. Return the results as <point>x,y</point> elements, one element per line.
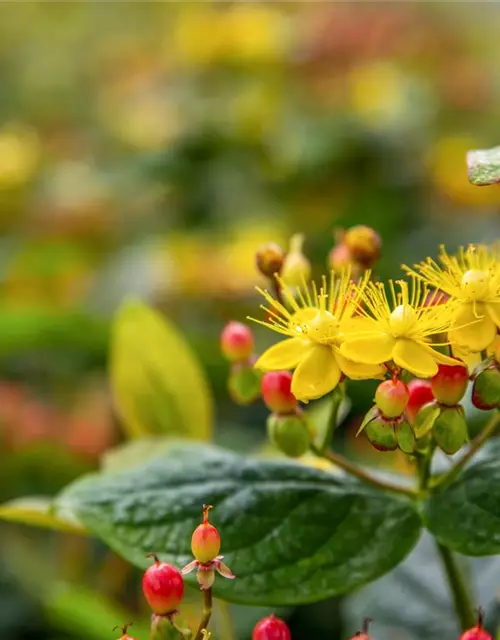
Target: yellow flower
<point>472,278</point>
<point>400,329</point>
<point>314,323</point>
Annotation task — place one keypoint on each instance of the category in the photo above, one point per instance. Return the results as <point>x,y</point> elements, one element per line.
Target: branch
<point>207,614</point>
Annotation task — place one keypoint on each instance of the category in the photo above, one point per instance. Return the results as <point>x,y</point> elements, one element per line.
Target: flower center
<point>323,328</point>
<point>475,284</point>
<point>401,319</point>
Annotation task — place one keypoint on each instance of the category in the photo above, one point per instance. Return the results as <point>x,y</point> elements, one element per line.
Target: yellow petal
<point>493,310</point>
<point>375,348</point>
<point>415,358</point>
<point>473,329</point>
<point>358,371</point>
<point>283,355</point>
<point>317,374</point>
<point>440,357</point>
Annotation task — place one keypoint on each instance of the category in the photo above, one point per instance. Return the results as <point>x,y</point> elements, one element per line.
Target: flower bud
<point>163,587</point>
<point>271,628</point>
<point>296,267</point>
<point>364,243</point>
<point>450,429</point>
<point>477,632</point>
<point>486,389</point>
<point>236,342</point>
<point>205,541</point>
<point>391,397</point>
<point>244,383</point>
<point>289,433</point>
<point>420,393</point>
<point>381,433</point>
<point>450,383</point>
<point>269,259</point>
<point>276,392</point>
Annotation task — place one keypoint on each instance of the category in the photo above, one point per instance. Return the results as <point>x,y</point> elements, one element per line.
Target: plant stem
<point>207,614</point>
<point>424,469</point>
<point>462,600</point>
<point>360,473</point>
<point>475,445</point>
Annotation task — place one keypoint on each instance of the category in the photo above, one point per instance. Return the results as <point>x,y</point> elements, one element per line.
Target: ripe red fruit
<point>420,394</point>
<point>391,397</point>
<point>477,632</point>
<point>205,541</point>
<point>450,383</point>
<point>276,392</point>
<point>236,342</point>
<point>163,587</point>
<point>271,628</point>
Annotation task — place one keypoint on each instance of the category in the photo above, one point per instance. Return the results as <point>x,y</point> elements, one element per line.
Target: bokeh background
<point>147,149</point>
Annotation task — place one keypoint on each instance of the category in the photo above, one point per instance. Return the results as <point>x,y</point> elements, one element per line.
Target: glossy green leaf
<point>158,384</point>
<point>465,516</point>
<point>290,533</point>
<point>39,512</point>
<point>484,166</point>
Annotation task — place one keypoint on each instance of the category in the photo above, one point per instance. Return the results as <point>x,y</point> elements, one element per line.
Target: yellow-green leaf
<point>158,384</point>
<point>39,512</point>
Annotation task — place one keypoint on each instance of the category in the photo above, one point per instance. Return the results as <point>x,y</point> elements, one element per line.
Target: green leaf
<point>484,166</point>
<point>414,601</point>
<point>465,516</point>
<point>39,512</point>
<point>158,384</point>
<point>290,533</point>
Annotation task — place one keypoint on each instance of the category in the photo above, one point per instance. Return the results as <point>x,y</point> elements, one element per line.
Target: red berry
<point>420,394</point>
<point>450,383</point>
<point>477,632</point>
<point>205,541</point>
<point>163,587</point>
<point>271,628</point>
<point>236,342</point>
<point>391,397</point>
<point>276,392</point>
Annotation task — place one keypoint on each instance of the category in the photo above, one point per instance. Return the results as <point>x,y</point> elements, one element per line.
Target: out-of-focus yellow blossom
<point>19,155</point>
<point>377,93</point>
<point>399,329</point>
<point>254,32</point>
<point>314,327</point>
<point>446,162</point>
<point>197,36</point>
<point>472,279</point>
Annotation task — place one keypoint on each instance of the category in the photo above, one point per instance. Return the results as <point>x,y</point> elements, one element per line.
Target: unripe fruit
<point>391,397</point>
<point>296,267</point>
<point>380,432</point>
<point>450,383</point>
<point>276,392</point>
<point>420,393</point>
<point>271,628</point>
<point>163,587</point>
<point>486,389</point>
<point>289,433</point>
<point>236,342</point>
<point>364,243</point>
<point>244,383</point>
<point>450,429</point>
<point>269,259</point>
<point>205,541</point>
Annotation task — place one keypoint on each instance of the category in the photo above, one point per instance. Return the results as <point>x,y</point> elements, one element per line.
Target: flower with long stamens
<point>399,328</point>
<point>472,278</point>
<point>314,323</point>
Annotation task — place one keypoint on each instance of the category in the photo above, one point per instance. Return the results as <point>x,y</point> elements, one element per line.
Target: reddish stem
<point>206,509</point>
<point>154,556</point>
